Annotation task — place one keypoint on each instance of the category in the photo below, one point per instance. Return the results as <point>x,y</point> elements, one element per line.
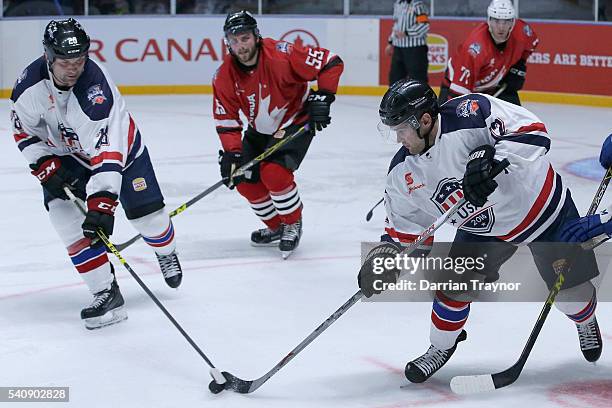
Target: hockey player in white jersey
<point>448,153</point>
<point>71,124</point>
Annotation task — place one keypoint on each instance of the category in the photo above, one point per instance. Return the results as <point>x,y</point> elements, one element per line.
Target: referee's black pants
<point>409,62</point>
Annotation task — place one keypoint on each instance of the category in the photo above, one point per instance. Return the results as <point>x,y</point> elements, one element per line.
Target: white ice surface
<point>246,308</point>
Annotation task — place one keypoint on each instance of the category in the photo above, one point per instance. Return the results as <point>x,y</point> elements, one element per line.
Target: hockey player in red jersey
<point>267,80</point>
<point>493,55</point>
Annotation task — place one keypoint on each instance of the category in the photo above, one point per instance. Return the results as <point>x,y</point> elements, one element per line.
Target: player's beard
<point>67,79</point>
<point>248,57</point>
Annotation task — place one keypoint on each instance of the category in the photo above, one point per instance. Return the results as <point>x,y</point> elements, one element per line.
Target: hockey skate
<point>421,368</point>
<point>590,340</point>
<point>106,309</point>
<point>171,269</point>
<point>290,238</point>
<point>266,237</point>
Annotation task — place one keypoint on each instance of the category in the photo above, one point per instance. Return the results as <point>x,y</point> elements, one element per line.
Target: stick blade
<point>236,384</point>
<point>472,384</point>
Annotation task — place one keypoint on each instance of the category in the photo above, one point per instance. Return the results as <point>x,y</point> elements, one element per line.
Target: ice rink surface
<point>246,308</point>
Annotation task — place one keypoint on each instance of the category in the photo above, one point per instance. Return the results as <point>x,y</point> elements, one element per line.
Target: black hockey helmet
<point>240,21</point>
<point>407,100</point>
<point>65,39</point>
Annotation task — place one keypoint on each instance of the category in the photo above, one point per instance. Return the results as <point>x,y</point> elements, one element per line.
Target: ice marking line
<point>596,394</point>
<point>155,271</point>
<point>444,394</point>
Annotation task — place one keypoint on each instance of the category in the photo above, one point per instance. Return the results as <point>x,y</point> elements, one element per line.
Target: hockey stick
<point>371,212</point>
<point>214,372</point>
<point>500,90</point>
<point>470,384</point>
<point>239,172</point>
<point>245,387</point>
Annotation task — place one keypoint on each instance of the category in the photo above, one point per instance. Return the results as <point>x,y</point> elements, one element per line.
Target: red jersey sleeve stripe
<point>131,134</point>
<point>531,128</point>
<point>407,238</point>
<point>106,156</point>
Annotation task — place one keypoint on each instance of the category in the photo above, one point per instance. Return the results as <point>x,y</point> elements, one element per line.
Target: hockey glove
<point>583,229</point>
<point>515,78</point>
<point>477,181</point>
<point>605,157</point>
<point>318,103</point>
<point>229,163</point>
<point>53,176</point>
<point>379,267</point>
<point>101,208</point>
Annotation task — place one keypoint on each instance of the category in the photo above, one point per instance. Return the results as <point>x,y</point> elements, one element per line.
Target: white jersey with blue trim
<point>529,196</point>
<point>88,122</point>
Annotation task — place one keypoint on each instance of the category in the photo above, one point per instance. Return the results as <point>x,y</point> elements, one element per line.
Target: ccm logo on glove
<point>49,169</point>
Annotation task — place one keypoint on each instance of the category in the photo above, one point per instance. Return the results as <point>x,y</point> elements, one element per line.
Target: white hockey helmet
<point>501,10</point>
<point>501,18</point>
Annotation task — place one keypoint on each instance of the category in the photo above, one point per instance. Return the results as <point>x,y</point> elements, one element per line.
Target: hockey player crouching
<point>451,150</point>
<point>70,122</point>
<point>268,81</point>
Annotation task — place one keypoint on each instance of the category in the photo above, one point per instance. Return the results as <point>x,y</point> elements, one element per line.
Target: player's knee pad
<point>573,300</point>
<point>254,192</point>
<point>66,218</point>
<point>157,231</point>
<point>275,177</point>
<point>448,317</point>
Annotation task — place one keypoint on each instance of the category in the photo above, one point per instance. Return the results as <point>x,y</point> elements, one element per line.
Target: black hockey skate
<point>266,237</point>
<point>171,269</point>
<point>106,309</point>
<point>590,340</point>
<point>420,369</point>
<point>290,238</point>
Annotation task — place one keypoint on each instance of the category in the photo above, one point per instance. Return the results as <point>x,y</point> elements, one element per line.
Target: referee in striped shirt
<point>407,42</point>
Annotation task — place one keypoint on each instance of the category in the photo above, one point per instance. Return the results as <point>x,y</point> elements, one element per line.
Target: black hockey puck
<point>215,388</point>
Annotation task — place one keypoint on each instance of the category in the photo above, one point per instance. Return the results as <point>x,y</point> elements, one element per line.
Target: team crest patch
<point>95,94</point>
<point>447,194</point>
<point>468,217</point>
<point>282,46</point>
<point>480,222</point>
<point>467,108</point>
<point>474,49</point>
<point>139,184</point>
<point>527,30</point>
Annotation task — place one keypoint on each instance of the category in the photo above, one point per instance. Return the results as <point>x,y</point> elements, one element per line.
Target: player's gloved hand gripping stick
<point>244,387</point>
<point>237,173</point>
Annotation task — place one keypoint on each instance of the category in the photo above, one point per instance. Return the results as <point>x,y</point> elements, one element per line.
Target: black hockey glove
<point>515,78</point>
<point>230,162</point>
<point>477,181</point>
<point>318,109</point>
<point>101,208</point>
<point>53,176</point>
<point>374,272</point>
